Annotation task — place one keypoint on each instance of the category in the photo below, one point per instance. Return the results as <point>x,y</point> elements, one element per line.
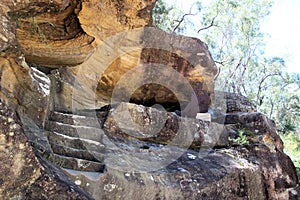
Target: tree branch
<point>207,27</point>
<point>182,18</point>
<point>217,75</point>
<point>212,22</point>
<point>261,82</point>
<point>220,62</point>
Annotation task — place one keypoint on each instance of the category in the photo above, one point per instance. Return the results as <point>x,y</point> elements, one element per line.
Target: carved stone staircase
<point>76,141</point>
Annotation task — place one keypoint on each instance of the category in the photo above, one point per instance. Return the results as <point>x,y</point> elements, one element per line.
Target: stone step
<point>75,143</point>
<point>76,163</point>
<point>78,120</point>
<point>76,153</point>
<point>100,113</point>
<point>84,132</point>
<point>90,182</point>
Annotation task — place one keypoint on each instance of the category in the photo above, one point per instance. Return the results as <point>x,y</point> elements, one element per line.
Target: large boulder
<point>155,126</point>
<point>101,44</point>
<point>148,157</point>
<point>107,43</point>
<point>139,66</point>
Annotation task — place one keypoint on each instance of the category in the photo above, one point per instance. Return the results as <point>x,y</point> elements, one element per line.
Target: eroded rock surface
<point>25,89</point>
<point>109,46</point>
<point>106,18</point>
<point>256,169</point>
<point>154,126</point>
<point>110,39</point>
<point>7,30</point>
<point>127,71</point>
<point>238,103</point>
<point>147,156</point>
<point>23,175</point>
<point>67,45</point>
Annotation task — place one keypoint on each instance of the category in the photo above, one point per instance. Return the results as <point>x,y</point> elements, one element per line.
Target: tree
<point>231,28</point>
<point>171,18</point>
<point>235,40</point>
<point>165,16</point>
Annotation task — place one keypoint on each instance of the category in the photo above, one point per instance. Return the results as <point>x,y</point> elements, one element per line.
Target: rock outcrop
<point>144,57</point>
<point>110,47</point>
<point>88,90</point>
<point>238,103</point>
<point>150,154</point>
<point>23,175</point>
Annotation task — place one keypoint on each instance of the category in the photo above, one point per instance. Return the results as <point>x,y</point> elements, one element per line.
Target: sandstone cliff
<point>91,92</point>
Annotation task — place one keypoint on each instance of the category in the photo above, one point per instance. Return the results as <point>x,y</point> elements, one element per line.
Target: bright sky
<point>283,26</point>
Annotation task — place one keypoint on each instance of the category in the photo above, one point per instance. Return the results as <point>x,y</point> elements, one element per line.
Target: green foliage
<point>171,18</point>
<point>236,42</point>
<point>231,28</point>
<point>281,102</point>
<point>241,139</point>
<point>292,148</point>
<point>165,16</point>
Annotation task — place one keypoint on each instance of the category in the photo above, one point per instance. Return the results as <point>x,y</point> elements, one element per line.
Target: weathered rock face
<point>12,10</point>
<point>7,30</point>
<point>154,126</point>
<point>66,33</point>
<point>218,176</point>
<point>150,153</point>
<point>19,166</point>
<point>25,89</point>
<point>49,38</point>
<point>50,34</point>
<point>126,74</point>
<point>23,176</point>
<point>143,162</point>
<point>238,103</point>
<point>106,18</point>
<point>117,37</point>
